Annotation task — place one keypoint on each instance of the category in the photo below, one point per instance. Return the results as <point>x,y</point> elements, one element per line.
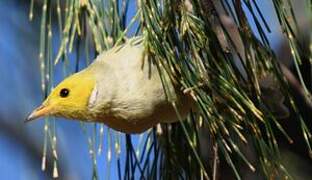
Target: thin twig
<point>215,162</point>
<point>295,85</point>
<point>232,28</point>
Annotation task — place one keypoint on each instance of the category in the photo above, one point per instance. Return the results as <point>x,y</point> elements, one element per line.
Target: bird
<point>122,88</point>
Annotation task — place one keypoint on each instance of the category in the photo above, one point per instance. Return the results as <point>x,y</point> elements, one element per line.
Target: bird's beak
<point>41,111</point>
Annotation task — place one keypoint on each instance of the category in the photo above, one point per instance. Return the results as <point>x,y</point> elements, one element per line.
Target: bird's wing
<point>119,50</point>
<point>127,81</point>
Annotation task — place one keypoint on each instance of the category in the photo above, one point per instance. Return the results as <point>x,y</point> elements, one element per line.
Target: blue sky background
<point>20,89</point>
<point>20,93</point>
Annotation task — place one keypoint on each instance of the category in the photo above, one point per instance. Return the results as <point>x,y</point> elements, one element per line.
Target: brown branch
<point>235,37</point>
<point>215,162</point>
<point>295,85</point>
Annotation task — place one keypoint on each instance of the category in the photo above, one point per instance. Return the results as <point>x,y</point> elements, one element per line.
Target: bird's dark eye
<point>64,92</point>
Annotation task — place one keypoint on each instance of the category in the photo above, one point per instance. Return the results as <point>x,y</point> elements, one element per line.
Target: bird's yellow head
<point>69,99</point>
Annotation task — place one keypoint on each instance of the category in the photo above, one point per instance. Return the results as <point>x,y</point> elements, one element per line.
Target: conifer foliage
<point>217,52</point>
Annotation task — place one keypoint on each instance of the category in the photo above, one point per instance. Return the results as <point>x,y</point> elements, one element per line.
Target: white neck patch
<point>93,97</point>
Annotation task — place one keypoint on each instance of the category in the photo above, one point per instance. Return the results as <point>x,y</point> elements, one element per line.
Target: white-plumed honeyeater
<point>121,89</point>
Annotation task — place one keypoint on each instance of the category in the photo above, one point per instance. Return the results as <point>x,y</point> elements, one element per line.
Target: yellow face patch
<point>70,98</point>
